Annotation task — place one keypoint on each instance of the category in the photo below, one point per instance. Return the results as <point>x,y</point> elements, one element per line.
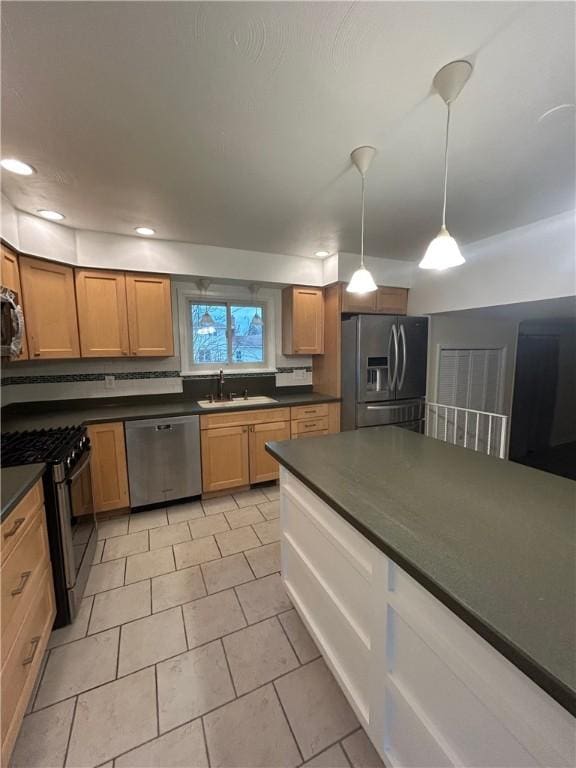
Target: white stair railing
<point>479,430</point>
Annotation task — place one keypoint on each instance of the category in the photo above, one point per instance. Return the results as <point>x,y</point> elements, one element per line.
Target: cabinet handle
<point>24,576</point>
<point>310,425</point>
<point>12,531</point>
<point>34,647</point>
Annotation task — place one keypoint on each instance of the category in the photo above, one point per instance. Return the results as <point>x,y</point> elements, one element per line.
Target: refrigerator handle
<point>404,356</point>
<point>391,376</point>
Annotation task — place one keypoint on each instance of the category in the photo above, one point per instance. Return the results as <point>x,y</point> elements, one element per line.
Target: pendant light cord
<point>362,222</point>
<point>446,165</point>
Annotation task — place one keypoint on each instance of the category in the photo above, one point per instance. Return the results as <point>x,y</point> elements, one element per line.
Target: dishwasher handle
<point>161,427</point>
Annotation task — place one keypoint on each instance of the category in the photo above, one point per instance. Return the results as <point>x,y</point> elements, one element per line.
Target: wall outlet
<point>109,382</point>
<point>299,374</point>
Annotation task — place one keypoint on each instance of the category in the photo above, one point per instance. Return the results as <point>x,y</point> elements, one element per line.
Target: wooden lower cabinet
<point>234,443</point>
<point>108,467</point>
<point>28,609</point>
<point>262,466</point>
<point>225,458</point>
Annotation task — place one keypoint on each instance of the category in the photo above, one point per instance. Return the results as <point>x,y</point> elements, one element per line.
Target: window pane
<point>247,334</point>
<point>209,341</point>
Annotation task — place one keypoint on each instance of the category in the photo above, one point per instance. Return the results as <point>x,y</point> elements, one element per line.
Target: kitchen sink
<point>235,402</point>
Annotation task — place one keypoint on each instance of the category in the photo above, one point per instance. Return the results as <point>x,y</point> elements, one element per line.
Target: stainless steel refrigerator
<point>384,371</point>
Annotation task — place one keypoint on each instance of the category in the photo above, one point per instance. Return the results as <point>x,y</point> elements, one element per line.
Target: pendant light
<point>207,325</point>
<point>443,252</point>
<point>362,281</point>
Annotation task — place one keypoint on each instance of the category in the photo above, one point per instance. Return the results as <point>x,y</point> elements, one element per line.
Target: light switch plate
<point>109,382</point>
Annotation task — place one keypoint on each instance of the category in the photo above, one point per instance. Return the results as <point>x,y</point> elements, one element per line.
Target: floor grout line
<point>287,720</point>
<point>208,758</point>
<point>173,656</point>
<point>229,669</point>
<point>70,731</point>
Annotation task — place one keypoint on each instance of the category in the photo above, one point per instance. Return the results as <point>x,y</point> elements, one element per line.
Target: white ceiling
<point>231,123</point>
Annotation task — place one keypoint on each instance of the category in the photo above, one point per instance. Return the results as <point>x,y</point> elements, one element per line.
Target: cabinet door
<point>262,466</point>
<point>358,302</point>
<point>10,278</point>
<point>149,315</point>
<point>224,458</point>
<point>102,313</point>
<point>108,467</point>
<point>391,301</point>
<point>303,321</point>
<point>49,303</point>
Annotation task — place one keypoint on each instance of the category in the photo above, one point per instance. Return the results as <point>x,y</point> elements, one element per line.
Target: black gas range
<point>70,516</point>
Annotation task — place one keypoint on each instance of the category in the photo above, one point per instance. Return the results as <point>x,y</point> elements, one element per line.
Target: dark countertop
<point>58,413</point>
<point>16,482</point>
<point>493,540</point>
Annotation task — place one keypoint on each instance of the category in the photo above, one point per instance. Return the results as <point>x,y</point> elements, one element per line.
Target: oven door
<point>78,529</point>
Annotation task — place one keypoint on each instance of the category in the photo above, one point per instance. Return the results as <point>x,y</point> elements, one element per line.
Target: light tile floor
<point>187,653</point>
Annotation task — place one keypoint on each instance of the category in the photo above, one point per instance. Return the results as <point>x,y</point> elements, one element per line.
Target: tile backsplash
<point>21,385</point>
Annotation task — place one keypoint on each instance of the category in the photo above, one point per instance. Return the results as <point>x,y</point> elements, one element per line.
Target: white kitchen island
<point>428,689</point>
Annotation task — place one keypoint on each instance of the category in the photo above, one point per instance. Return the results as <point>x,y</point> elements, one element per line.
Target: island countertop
<point>491,539</point>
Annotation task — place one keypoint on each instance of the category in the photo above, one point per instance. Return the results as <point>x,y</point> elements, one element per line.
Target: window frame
<point>228,304</point>
<point>265,301</point>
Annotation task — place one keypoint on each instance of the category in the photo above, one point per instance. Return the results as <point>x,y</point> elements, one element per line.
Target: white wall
<point>526,264</point>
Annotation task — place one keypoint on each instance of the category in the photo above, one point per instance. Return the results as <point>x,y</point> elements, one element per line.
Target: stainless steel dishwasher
<point>163,459</point>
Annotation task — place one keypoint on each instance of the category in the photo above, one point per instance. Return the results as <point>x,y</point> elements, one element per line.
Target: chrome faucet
<point>221,385</point>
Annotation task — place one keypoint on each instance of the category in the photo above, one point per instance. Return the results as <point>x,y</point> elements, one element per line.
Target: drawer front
<point>310,425</point>
<point>20,576</point>
<point>18,521</point>
<point>241,418</point>
<point>20,670</point>
<point>310,434</point>
<point>309,411</point>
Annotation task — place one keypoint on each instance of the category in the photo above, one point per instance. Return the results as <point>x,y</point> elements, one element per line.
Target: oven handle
<point>80,468</point>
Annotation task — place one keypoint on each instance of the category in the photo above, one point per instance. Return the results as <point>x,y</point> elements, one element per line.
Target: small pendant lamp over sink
<point>362,281</point>
<point>443,252</point>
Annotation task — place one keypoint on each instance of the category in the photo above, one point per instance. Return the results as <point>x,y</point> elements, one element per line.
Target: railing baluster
<point>452,437</point>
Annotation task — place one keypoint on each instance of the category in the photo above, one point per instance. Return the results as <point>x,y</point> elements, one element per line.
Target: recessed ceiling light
<point>51,215</point>
<point>145,231</point>
<point>322,253</point>
<point>17,166</point>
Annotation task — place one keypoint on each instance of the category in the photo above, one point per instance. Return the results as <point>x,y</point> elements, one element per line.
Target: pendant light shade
<point>206,324</point>
<point>443,252</point>
<point>362,281</point>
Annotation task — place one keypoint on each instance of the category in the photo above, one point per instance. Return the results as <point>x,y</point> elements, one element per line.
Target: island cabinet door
<point>108,467</point>
<point>225,462</point>
<point>149,315</point>
<point>262,466</point>
<point>49,309</point>
<point>102,313</point>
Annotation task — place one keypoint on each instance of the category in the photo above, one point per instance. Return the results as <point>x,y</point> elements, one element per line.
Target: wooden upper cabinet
<point>108,467</point>
<point>225,458</point>
<point>262,466</point>
<point>302,320</point>
<point>391,301</point>
<point>49,304</point>
<point>10,278</point>
<point>149,315</point>
<point>384,301</point>
<point>102,313</point>
<point>358,302</point>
